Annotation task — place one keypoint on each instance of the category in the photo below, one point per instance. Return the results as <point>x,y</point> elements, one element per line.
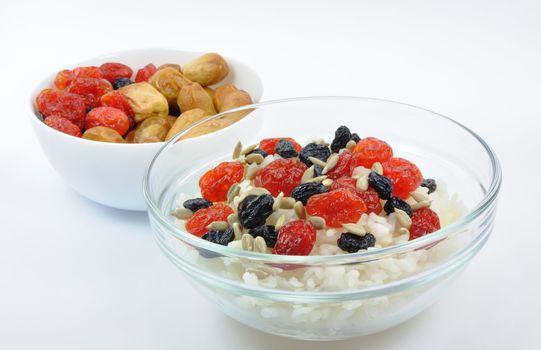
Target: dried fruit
<point>192,96</point>
<point>121,82</point>
<point>258,151</point>
<point>268,233</point>
<point>208,69</point>
<point>295,238</point>
<point>424,221</point>
<point>355,137</point>
<point>380,183</point>
<point>63,125</point>
<point>337,207</point>
<point>227,97</point>
<point>395,202</point>
<point>344,182</point>
<point>341,137</point>
<point>216,182</point>
<point>91,89</point>
<point>110,117</point>
<point>145,73</point>
<point>315,150</point>
<point>430,184</point>
<point>269,145</point>
<point>112,71</point>
<point>185,120</point>
<point>285,149</point>
<point>62,104</point>
<point>281,175</point>
<point>352,243</point>
<point>197,224</point>
<point>371,198</point>
<point>219,237</point>
<point>304,191</point>
<point>169,81</point>
<point>197,203</point>
<point>318,169</point>
<point>152,129</point>
<point>117,100</point>
<point>254,210</point>
<point>405,175</point>
<point>103,134</point>
<point>370,150</point>
<point>65,77</point>
<point>145,101</point>
<point>344,167</point>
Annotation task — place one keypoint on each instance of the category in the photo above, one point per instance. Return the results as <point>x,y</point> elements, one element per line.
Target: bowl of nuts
<point>101,121</point>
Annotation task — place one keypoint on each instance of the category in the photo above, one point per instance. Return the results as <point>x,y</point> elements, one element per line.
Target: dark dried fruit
<point>380,183</point>
<point>285,149</point>
<point>304,191</point>
<point>352,243</point>
<point>341,137</point>
<point>268,233</point>
<point>196,203</point>
<point>258,151</point>
<point>355,137</point>
<point>430,184</point>
<point>121,82</point>
<point>254,210</point>
<point>315,150</point>
<point>269,145</point>
<point>395,202</point>
<point>219,237</point>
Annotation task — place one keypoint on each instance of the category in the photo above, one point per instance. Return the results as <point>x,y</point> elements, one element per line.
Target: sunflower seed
<point>317,161</point>
<point>356,229</point>
<point>237,230</point>
<point>251,171</point>
<point>318,222</point>
<point>362,183</point>
<point>182,213</point>
<point>277,201</point>
<point>280,222</point>
<point>247,242</point>
<point>257,191</point>
<point>317,179</point>
<point>327,182</point>
<point>232,218</point>
<point>419,197</point>
<point>331,163</point>
<point>402,218</point>
<point>236,150</point>
<point>249,149</point>
<point>218,226</point>
<point>377,168</point>
<point>299,210</point>
<point>287,203</point>
<point>259,245</point>
<point>351,145</point>
<point>233,191</point>
<point>419,205</point>
<point>404,231</point>
<point>308,174</point>
<point>254,158</point>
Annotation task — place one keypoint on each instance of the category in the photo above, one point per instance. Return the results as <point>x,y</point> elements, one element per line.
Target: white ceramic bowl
<point>112,173</point>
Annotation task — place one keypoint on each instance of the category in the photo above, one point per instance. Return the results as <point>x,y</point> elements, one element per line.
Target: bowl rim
<point>47,80</point>
<point>375,254</point>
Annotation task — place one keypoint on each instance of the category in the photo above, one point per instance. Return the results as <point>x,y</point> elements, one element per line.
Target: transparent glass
<point>339,296</point>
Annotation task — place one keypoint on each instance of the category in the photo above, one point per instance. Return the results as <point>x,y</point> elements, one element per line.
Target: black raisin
<point>220,237</point>
<point>355,137</point>
<point>285,149</point>
<point>318,169</point>
<point>430,184</point>
<point>121,82</point>
<point>341,137</point>
<point>380,183</point>
<point>268,232</point>
<point>254,210</point>
<point>196,204</point>
<point>395,202</point>
<point>258,151</point>
<point>352,243</point>
<point>315,150</point>
<point>306,190</point>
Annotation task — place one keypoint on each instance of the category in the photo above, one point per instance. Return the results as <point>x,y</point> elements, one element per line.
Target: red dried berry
<point>344,182</point>
<point>295,238</point>
<point>337,207</point>
<point>269,145</point>
<point>370,197</point>
<point>344,167</point>
<point>405,176</point>
<point>370,150</point>
<point>112,70</point>
<point>89,72</point>
<point>62,104</point>
<point>90,88</point>
<point>65,77</point>
<point>197,224</point>
<point>423,222</point>
<point>117,99</point>
<point>144,73</point>
<point>281,175</point>
<point>216,182</point>
<point>109,117</point>
<point>63,125</point>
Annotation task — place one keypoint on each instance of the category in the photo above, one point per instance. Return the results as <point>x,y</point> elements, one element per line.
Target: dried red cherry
<point>344,167</point>
<point>112,70</point>
<point>117,99</point>
<point>65,77</point>
<point>62,104</point>
<point>281,175</point>
<point>216,182</point>
<point>405,176</point>
<point>269,145</point>
<point>295,238</point>
<point>145,73</point>
<point>423,222</point>
<point>91,89</point>
<point>109,117</point>
<point>370,150</point>
<point>63,125</point>
<point>337,207</point>
<point>197,224</point>
<point>370,197</point>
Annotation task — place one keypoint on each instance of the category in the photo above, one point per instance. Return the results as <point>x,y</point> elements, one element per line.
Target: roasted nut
<point>206,70</point>
<point>171,119</point>
<point>228,97</point>
<point>209,126</point>
<point>185,120</point>
<point>152,130</point>
<point>211,92</point>
<point>171,65</point>
<point>145,101</point>
<point>130,137</point>
<point>104,134</point>
<point>194,96</point>
<point>168,81</point>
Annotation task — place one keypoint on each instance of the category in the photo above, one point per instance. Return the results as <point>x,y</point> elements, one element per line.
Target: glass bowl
<point>335,296</point>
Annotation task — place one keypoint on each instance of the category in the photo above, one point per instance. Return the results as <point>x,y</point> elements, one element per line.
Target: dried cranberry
<point>405,176</point>
<point>112,70</point>
<point>423,222</point>
<point>62,104</point>
<point>109,117</point>
<point>370,150</point>
<point>295,238</point>
<point>269,145</point>
<point>91,89</point>
<point>145,73</point>
<point>63,125</point>
<point>337,207</point>
<point>216,182</point>
<point>197,224</point>
<point>281,175</point>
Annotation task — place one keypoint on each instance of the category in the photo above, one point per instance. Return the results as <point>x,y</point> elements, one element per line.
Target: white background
<point>76,275</point>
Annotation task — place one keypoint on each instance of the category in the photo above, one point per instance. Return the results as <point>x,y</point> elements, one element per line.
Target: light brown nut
<point>280,222</point>
<point>233,191</point>
<point>171,119</point>
<point>208,127</point>
<point>287,203</point>
<point>145,101</point>
<point>327,182</point>
<point>208,69</point>
<point>260,245</point>
<point>247,242</point>
<point>308,174</point>
<point>251,172</point>
<point>254,158</point>
<point>236,150</point>
<point>419,205</point>
<point>130,137</point>
<point>232,218</point>
<point>152,129</point>
<point>168,81</point>
<point>193,96</point>
<point>218,225</point>
<point>228,97</point>
<point>182,213</point>
<point>402,218</point>
<point>171,65</point>
<point>318,222</point>
<point>377,168</point>
<point>330,164</point>
<point>356,229</point>
<point>103,134</point>
<point>299,210</point>
<point>237,230</point>
<point>185,120</point>
<point>211,93</point>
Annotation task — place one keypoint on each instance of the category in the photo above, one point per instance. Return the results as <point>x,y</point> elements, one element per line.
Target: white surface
<point>76,275</point>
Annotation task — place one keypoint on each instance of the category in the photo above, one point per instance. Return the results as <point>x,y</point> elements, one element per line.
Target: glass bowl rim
<point>367,255</point>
